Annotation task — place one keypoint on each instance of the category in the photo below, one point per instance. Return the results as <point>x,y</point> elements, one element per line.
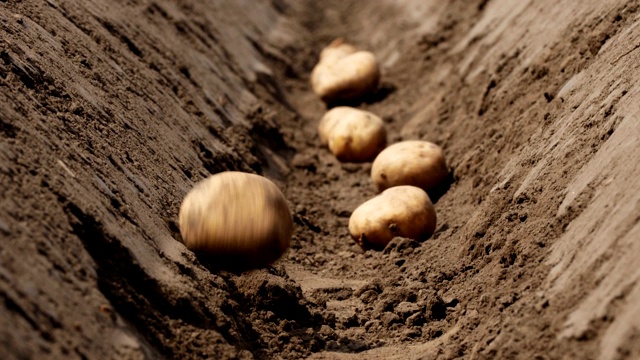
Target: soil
<point>110,111</point>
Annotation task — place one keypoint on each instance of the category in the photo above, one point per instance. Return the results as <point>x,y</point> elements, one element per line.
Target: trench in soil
<point>111,119</point>
<point>372,299</point>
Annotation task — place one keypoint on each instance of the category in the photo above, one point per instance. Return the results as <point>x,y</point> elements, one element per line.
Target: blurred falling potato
<point>241,220</point>
<point>412,162</point>
<point>404,211</point>
<point>352,135</point>
<point>344,74</point>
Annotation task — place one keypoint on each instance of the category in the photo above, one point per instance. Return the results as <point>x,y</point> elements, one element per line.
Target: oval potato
<point>351,134</point>
<point>239,218</point>
<point>404,211</point>
<point>343,75</point>
<point>412,162</point>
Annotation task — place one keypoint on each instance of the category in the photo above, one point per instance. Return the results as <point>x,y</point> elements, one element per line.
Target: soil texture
<point>110,112</point>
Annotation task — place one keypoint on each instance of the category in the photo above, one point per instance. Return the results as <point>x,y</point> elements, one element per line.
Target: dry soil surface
<point>110,111</point>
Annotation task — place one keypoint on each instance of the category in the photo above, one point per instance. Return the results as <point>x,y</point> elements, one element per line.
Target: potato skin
<point>237,217</point>
<point>412,162</point>
<point>329,121</point>
<point>336,50</point>
<point>345,75</point>
<point>351,134</point>
<point>404,211</point>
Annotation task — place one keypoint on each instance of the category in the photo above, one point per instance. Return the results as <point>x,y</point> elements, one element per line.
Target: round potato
<point>344,75</point>
<point>404,211</point>
<point>412,162</point>
<point>237,218</point>
<point>352,135</point>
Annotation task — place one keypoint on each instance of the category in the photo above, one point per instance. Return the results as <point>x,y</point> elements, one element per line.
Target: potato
<point>404,211</point>
<point>238,218</point>
<point>344,74</point>
<point>411,162</point>
<point>352,135</point>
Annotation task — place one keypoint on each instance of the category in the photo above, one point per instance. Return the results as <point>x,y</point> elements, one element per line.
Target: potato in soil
<point>352,135</point>
<point>404,211</point>
<point>412,162</point>
<point>239,218</point>
<point>345,74</point>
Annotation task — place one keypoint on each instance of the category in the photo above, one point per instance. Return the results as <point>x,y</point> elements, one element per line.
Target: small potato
<point>239,219</point>
<point>411,162</point>
<point>345,74</point>
<point>352,135</point>
<point>404,211</point>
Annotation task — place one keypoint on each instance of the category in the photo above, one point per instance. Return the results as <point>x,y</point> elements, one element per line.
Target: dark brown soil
<point>110,111</point>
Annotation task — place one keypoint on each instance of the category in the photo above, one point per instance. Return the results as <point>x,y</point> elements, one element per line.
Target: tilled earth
<point>110,111</point>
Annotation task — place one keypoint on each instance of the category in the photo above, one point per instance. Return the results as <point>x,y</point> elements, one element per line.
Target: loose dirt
<point>110,111</point>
